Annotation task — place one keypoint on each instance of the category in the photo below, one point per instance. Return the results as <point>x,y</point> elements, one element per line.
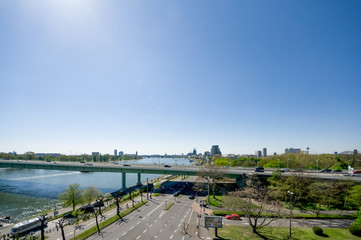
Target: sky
<point>168,76</point>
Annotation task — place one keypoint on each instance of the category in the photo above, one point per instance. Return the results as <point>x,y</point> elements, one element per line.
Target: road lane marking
<point>124,234</point>
<point>131,228</point>
<point>161,230</point>
<point>175,230</point>
<point>179,224</point>
<point>150,225</point>
<point>145,230</point>
<point>138,237</point>
<point>156,221</point>
<point>138,222</point>
<point>171,237</point>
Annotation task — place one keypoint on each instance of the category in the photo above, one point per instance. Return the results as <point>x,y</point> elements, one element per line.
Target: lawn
<point>278,233</point>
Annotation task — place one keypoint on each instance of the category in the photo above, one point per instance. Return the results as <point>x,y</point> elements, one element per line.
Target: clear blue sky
<point>170,76</point>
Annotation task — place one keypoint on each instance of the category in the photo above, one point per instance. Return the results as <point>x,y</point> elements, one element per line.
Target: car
<point>337,170</point>
<point>356,173</point>
<point>191,196</point>
<point>259,169</point>
<point>166,166</point>
<point>233,216</point>
<point>176,194</point>
<point>285,170</point>
<point>19,160</point>
<point>47,161</point>
<point>82,161</point>
<point>326,170</point>
<point>126,165</point>
<point>89,164</point>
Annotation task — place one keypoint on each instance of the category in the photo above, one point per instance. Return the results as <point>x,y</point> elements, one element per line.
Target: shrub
<point>317,230</point>
<point>355,229</point>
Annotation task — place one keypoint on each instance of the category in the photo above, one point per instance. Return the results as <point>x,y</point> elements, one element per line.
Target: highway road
<point>233,172</point>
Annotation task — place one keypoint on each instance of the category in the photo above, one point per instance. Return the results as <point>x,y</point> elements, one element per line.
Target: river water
<point>27,192</point>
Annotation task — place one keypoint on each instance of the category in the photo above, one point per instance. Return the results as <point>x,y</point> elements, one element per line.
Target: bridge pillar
<point>139,180</point>
<point>124,181</point>
<point>241,181</point>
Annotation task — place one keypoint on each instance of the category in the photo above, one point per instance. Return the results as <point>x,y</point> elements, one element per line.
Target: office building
<point>121,153</point>
<point>292,150</point>
<point>215,150</point>
<point>115,152</point>
<point>264,152</point>
<point>258,154</point>
<point>95,153</point>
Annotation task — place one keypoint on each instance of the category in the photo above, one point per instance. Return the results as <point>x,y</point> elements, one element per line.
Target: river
<point>27,192</point>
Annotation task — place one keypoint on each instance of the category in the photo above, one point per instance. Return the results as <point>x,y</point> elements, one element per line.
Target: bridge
<point>240,174</point>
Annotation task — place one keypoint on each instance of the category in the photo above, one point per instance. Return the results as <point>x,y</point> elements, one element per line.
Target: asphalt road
<point>153,222</point>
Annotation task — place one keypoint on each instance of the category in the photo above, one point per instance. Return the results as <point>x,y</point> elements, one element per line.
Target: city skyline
<point>164,77</point>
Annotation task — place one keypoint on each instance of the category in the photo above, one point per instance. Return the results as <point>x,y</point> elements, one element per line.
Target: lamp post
<point>291,193</point>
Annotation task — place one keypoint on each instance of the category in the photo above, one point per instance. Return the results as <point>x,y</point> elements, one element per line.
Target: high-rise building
<point>121,153</point>
<point>264,152</point>
<point>258,153</point>
<point>292,150</point>
<point>194,151</point>
<point>115,152</point>
<point>215,150</point>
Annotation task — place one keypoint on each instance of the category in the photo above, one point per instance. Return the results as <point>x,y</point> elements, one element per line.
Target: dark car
<point>87,209</point>
<point>166,166</point>
<point>326,170</point>
<point>191,196</point>
<point>126,165</point>
<point>82,161</point>
<point>259,169</point>
<point>337,170</point>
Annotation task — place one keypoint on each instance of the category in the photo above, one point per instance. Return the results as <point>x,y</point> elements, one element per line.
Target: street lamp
<point>291,193</point>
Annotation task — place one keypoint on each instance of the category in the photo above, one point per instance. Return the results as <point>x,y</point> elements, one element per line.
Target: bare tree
<point>62,222</point>
<point>43,220</point>
<point>257,206</point>
<point>212,174</point>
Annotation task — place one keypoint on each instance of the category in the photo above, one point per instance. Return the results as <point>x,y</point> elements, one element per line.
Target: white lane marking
<point>138,222</point>
<point>156,221</point>
<point>155,236</point>
<point>150,225</point>
<point>161,230</point>
<point>190,217</point>
<point>124,234</point>
<point>179,224</point>
<point>183,238</point>
<point>131,228</point>
<point>138,237</point>
<point>145,230</point>
<point>175,230</point>
<point>171,237</point>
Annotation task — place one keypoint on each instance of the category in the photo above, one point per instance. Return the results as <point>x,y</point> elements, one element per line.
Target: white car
<point>285,170</point>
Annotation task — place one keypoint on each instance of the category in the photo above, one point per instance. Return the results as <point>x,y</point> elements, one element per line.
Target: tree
<point>320,193</point>
<point>211,174</point>
<point>296,183</point>
<point>354,197</point>
<point>90,194</point>
<point>259,209</point>
<point>62,222</point>
<point>43,220</point>
<point>72,196</point>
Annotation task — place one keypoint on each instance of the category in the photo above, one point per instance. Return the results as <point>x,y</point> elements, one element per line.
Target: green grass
<point>169,205</point>
<point>107,222</point>
<point>156,194</point>
<point>278,233</point>
<point>215,202</point>
<point>306,216</point>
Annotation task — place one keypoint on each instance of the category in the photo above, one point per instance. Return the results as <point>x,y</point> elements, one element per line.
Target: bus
<point>26,226</point>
